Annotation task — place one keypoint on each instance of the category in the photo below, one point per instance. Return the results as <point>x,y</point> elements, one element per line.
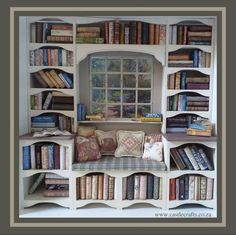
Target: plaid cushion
<point>121,163</point>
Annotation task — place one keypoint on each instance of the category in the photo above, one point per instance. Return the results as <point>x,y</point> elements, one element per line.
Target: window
<point>121,87</point>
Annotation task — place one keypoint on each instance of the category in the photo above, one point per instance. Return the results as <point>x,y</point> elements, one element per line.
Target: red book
<point>172,189</point>
<point>117,32</point>
<point>106,30</point>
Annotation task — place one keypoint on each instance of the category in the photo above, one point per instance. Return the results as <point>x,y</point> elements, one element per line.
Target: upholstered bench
<point>120,163</point>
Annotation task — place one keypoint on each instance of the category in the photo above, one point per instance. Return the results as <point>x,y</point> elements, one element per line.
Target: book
<point>181,188</point>
<point>56,180</point>
<point>105,187</point>
<point>197,182</point>
<point>210,188</point>
<point>156,185</point>
<point>136,186</point>
<point>111,186</point>
<point>36,183</point>
<point>47,101</point>
<point>82,184</point>
<point>32,157</point>
<point>172,193</point>
<point>50,156</point>
<point>56,193</point>
<point>191,158</point>
<point>124,188</point>
<point>56,156</point>
<point>150,181</point>
<point>94,187</point>
<point>44,156</point>
<point>185,158</point>
<point>191,187</point>
<point>143,187</point>
<point>186,187</point>
<point>177,196</point>
<point>200,161</point>
<point>88,187</point>
<point>177,159</point>
<point>209,164</point>
<point>203,187</point>
<point>130,187</point>
<point>26,159</point>
<point>100,186</point>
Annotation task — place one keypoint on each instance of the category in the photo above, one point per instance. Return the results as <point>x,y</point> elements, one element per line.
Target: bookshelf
<point>178,79</point>
<point>51,73</point>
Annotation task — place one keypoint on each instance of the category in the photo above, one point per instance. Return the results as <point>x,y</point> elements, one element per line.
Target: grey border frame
<point>12,114</point>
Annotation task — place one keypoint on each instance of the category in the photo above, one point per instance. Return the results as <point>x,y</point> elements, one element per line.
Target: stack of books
<point>47,121</point>
<point>89,34</point>
<point>151,117</point>
<point>62,101</point>
<point>200,127</point>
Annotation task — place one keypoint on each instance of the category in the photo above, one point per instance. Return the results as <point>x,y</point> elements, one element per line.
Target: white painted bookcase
<point>160,53</point>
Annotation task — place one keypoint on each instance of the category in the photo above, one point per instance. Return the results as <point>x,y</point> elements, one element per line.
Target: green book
<point>89,40</point>
<point>37,183</point>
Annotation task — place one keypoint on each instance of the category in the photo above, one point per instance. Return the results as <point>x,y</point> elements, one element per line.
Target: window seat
<point>120,163</point>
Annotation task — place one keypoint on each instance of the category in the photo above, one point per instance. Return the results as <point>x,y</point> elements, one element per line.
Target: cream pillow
<point>130,143</point>
<point>86,131</point>
<point>153,151</point>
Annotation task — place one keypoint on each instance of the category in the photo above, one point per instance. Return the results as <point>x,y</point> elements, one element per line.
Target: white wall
<point>23,101</point>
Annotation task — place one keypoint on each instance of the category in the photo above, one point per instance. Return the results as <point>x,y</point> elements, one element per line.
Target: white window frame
<point>121,103</point>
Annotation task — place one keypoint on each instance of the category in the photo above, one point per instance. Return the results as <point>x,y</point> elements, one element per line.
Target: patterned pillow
<point>106,141</point>
<point>86,131</point>
<point>130,143</point>
<point>153,147</point>
<point>87,149</point>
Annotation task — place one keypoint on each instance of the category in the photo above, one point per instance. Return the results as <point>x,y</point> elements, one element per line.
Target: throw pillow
<point>153,147</point>
<point>87,149</point>
<point>86,131</point>
<point>130,143</point>
<point>106,141</point>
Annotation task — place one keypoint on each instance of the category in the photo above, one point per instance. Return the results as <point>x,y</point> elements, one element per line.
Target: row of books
<point>191,157</point>
<point>50,57</point>
<point>191,187</point>
<point>190,34</point>
<point>42,32</point>
<point>52,101</point>
<point>45,156</point>
<point>53,185</point>
<point>51,121</point>
<point>95,187</point>
<point>179,123</point>
<point>141,187</point>
<point>185,102</point>
<point>52,78</point>
<point>118,32</point>
<point>180,80</point>
<point>189,58</point>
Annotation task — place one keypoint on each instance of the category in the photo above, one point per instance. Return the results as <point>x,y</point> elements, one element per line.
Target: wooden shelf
<point>185,137</point>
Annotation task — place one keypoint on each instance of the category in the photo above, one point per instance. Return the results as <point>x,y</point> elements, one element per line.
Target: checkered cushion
<point>122,163</point>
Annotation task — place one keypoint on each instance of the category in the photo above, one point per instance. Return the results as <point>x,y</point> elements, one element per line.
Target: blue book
<point>26,158</point>
<point>59,56</point>
<point>45,118</point>
<point>78,112</point>
<point>184,102</point>
<point>52,57</point>
<point>45,57</point>
<point>202,164</point>
<point>83,112</point>
<point>68,79</point>
<point>50,157</point>
<point>195,58</point>
<point>183,80</point>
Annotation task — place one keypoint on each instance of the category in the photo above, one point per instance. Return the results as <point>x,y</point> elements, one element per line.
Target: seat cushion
<point>121,163</point>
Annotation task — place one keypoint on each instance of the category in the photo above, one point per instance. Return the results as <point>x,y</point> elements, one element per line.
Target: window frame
<point>121,88</point>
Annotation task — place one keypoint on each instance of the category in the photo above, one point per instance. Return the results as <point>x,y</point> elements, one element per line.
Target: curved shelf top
<point>158,51</point>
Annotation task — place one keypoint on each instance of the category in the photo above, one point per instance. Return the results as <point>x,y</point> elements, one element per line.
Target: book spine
<point>94,187</point>
<point>82,187</point>
<point>136,186</point>
<point>62,157</point>
<point>111,32</point>
<point>197,188</point>
<point>209,165</point>
<point>56,181</point>
<point>44,156</point>
<point>181,188</point>
<point>100,187</point>
<point>36,183</point>
<point>172,193</point>
<point>105,187</point>
<point>143,187</point>
<point>177,189</point>
<point>26,158</point>
<point>56,193</point>
<point>186,187</point>
<point>88,187</point>
<point>191,158</point>
<point>185,158</point>
<point>150,180</point>
<point>130,187</point>
<point>56,156</point>
<point>32,157</point>
<point>156,188</point>
<point>191,187</point>
<point>203,186</point>
<point>210,188</point>
<point>111,183</point>
<point>198,157</point>
<point>157,34</point>
<point>50,157</point>
<point>124,188</point>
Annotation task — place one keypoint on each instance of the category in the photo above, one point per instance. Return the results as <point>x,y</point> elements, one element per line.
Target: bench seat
<point>120,163</point>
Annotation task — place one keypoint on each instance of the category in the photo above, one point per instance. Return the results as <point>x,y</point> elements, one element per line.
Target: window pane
<point>113,111</point>
<point>129,65</point>
<point>144,65</point>
<point>98,65</point>
<point>113,80</point>
<point>98,108</point>
<point>144,81</point>
<point>113,65</point>
<point>128,111</point>
<point>142,109</point>
<point>98,95</point>
<point>113,96</point>
<point>129,81</point>
<point>98,80</point>
<point>129,96</point>
<point>144,96</point>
